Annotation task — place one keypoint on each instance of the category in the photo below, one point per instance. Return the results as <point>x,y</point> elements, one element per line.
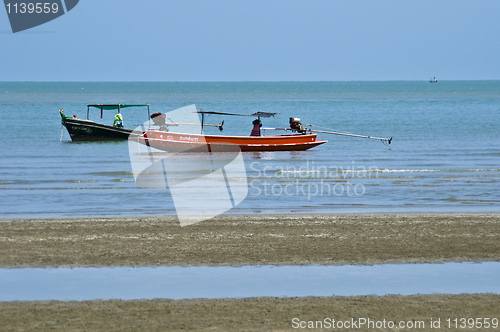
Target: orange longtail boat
<point>210,143</point>
<point>300,139</point>
<point>165,140</point>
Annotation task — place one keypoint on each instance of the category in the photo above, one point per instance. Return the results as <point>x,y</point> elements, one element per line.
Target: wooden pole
<point>202,120</point>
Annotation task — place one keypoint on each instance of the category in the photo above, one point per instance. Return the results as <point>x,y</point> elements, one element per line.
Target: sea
<point>444,155</point>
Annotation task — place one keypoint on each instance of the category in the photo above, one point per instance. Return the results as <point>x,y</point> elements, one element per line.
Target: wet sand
<point>252,314</point>
<point>247,240</point>
<point>251,240</point>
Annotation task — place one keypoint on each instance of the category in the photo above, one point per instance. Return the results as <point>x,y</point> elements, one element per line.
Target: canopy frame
<point>257,114</point>
<point>114,107</point>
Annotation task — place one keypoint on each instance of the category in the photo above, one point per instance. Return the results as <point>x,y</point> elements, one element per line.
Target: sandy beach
<point>251,240</point>
<point>246,240</point>
<point>251,314</point>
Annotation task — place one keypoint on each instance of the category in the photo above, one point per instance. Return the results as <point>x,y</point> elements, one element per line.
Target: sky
<point>258,40</point>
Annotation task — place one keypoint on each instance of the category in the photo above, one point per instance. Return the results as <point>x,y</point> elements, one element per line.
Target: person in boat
<point>118,121</point>
<point>159,120</point>
<point>256,127</point>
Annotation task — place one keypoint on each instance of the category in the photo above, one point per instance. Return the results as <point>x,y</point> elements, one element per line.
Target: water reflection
<point>249,281</point>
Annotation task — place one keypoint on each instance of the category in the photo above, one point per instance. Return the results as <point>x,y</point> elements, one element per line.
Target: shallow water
<point>445,154</point>
<point>35,284</point>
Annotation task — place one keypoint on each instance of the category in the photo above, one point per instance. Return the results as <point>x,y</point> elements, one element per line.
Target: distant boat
<point>433,80</point>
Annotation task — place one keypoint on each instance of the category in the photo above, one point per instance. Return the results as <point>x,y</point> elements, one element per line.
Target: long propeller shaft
<point>388,140</point>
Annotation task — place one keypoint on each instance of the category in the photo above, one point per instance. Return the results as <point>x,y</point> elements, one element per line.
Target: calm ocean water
<point>445,154</point>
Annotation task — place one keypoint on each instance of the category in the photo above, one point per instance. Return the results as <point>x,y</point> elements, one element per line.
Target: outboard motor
<point>296,126</point>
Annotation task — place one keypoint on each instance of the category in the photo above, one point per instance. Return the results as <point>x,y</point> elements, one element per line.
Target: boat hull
<point>175,142</point>
<point>86,130</point>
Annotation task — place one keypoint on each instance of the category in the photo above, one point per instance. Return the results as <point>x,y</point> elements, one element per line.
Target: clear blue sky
<point>258,40</point>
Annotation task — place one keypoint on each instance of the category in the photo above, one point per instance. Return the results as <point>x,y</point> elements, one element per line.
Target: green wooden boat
<point>87,130</point>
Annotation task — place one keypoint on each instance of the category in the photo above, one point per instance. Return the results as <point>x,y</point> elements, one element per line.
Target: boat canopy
<point>263,114</point>
<point>116,106</point>
<point>257,114</point>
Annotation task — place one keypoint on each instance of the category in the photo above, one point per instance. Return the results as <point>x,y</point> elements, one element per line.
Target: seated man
<point>256,128</point>
<point>118,121</point>
<point>158,118</point>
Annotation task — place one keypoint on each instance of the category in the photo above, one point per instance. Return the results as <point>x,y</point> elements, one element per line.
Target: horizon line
<point>245,81</point>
